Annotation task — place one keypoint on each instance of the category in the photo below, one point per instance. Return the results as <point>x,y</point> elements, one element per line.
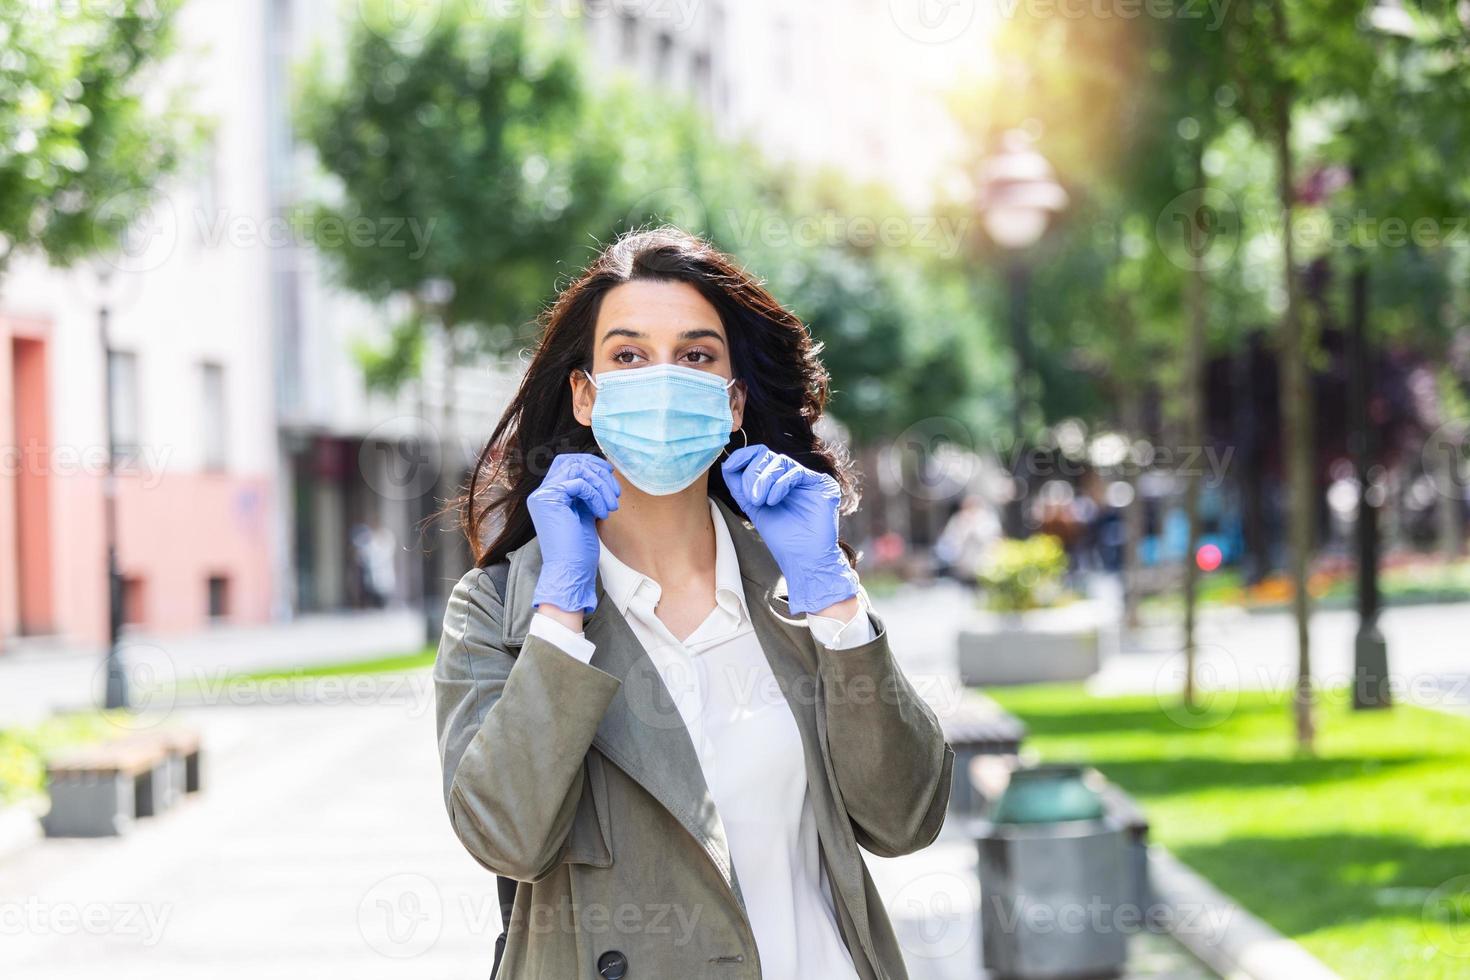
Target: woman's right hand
<point>578,490</point>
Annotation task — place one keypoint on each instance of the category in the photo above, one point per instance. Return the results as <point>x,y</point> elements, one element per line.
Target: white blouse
<point>749,749</point>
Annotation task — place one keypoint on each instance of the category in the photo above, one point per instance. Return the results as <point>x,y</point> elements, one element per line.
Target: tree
<point>475,135</point>
<point>1283,54</point>
<point>82,155</point>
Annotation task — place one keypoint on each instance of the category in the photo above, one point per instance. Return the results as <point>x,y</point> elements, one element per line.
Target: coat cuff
<point>834,634</point>
<point>574,644</point>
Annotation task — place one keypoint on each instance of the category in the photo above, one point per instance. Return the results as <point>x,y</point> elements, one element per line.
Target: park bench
<point>100,790</point>
<point>185,755</point>
<point>977,727</point>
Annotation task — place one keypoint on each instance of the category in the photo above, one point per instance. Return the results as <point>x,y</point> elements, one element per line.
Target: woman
<point>674,759</point>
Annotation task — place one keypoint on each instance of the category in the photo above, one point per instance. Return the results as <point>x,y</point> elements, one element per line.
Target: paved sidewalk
<point>40,678</point>
<point>320,848</point>
<point>1238,650</point>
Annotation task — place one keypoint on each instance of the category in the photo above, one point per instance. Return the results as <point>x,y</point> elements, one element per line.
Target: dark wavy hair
<point>771,352</point>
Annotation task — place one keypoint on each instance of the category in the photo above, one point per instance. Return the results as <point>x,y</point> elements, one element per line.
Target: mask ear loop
<point>725,453</point>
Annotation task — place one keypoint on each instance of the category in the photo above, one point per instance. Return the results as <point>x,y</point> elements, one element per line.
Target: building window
<point>700,73</point>
<point>219,597</point>
<point>628,34</point>
<point>122,380</point>
<point>215,430</point>
<point>663,59</point>
<point>133,596</point>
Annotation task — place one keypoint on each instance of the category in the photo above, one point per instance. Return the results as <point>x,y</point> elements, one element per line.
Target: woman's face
<point>642,323</point>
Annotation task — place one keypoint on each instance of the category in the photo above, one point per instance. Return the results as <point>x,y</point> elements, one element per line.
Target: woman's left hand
<point>795,511</point>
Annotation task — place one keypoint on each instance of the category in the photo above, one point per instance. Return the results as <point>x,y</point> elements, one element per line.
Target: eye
<point>699,355</point>
<point>626,355</point>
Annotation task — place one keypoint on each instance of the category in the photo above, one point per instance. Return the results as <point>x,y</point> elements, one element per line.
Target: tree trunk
<point>1449,525</point>
<point>1296,396</point>
<point>445,564</point>
<point>1132,413</point>
<point>1194,433</point>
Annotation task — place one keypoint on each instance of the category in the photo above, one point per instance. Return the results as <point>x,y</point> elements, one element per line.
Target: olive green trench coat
<point>581,782</point>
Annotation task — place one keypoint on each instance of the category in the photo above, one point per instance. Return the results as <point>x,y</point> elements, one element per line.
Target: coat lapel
<point>642,732</point>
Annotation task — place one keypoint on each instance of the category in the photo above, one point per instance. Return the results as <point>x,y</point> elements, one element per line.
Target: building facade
<point>257,478</point>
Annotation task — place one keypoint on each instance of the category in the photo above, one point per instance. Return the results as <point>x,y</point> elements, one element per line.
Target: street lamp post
<point>1370,648</point>
<point>116,695</point>
<point>1018,197</point>
<point>434,297</point>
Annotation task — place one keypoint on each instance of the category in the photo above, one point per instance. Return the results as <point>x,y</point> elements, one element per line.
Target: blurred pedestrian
<point>375,555</point>
<point>967,539</point>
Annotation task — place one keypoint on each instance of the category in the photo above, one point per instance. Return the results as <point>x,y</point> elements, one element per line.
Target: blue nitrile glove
<point>795,511</point>
<point>578,490</point>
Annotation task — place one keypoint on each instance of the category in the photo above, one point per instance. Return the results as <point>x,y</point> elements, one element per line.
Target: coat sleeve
<point>892,762</point>
<point>513,734</point>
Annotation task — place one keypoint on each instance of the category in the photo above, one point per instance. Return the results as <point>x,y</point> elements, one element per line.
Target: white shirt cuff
<point>574,644</point>
<point>834,634</point>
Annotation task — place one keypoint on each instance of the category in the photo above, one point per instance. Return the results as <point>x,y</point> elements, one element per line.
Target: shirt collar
<point>621,581</point>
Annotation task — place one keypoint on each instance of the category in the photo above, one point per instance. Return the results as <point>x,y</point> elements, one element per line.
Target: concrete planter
<point>1062,644</point>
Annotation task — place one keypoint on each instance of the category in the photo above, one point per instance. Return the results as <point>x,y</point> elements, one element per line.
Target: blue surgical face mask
<point>661,425</point>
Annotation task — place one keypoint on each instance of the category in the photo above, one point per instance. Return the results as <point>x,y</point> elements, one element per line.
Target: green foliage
<point>1026,573</point>
<point>482,136</point>
<point>22,773</point>
<point>388,367</point>
<point>487,133</point>
<point>82,154</point>
<point>23,751</point>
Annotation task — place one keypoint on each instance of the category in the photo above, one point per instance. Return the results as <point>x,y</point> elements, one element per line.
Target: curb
<point>1233,943</point>
<point>20,827</point>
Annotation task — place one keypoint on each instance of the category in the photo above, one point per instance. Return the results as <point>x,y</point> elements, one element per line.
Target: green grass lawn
<point>372,666</point>
<point>390,664</point>
<point>1343,852</point>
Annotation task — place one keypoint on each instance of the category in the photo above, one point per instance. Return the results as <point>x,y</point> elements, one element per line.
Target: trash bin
<point>1054,880</point>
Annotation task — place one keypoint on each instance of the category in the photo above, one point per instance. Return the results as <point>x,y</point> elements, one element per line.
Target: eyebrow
<point>694,334</point>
